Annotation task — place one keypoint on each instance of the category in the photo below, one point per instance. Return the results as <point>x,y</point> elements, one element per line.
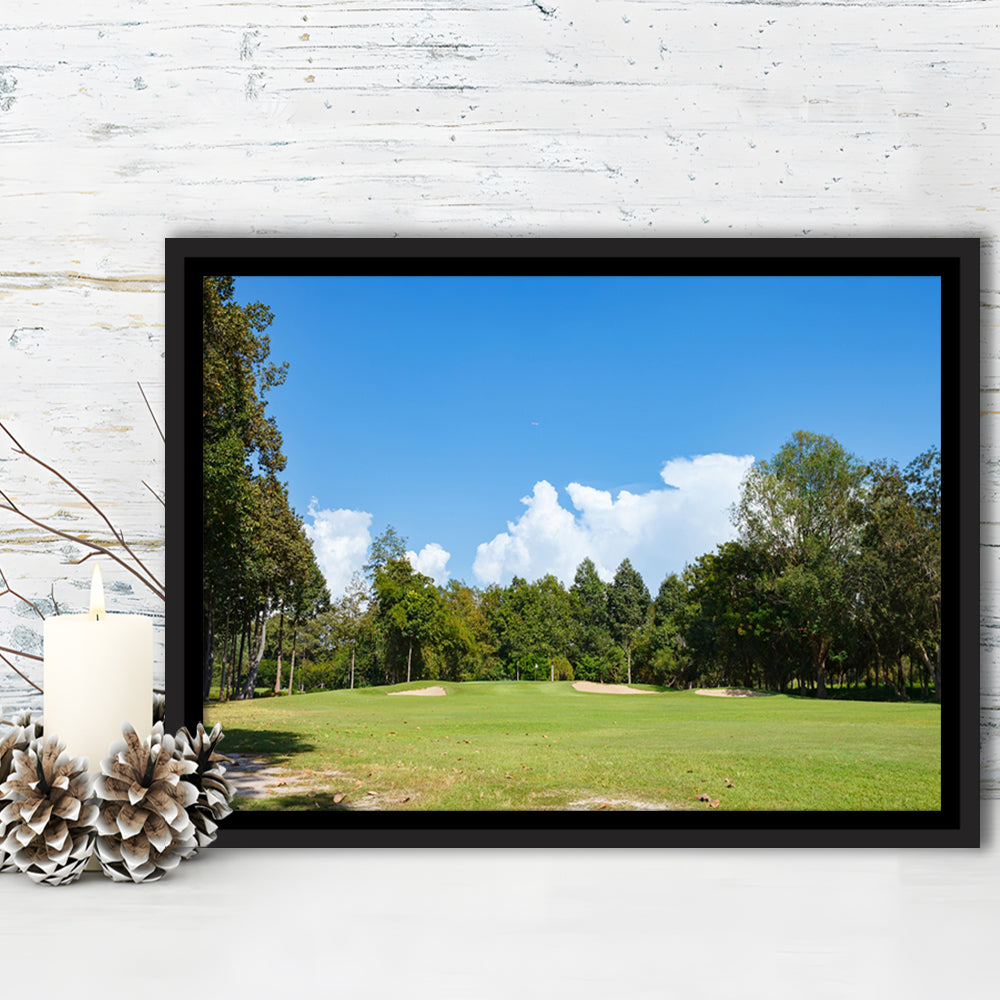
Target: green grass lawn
<point>503,746</point>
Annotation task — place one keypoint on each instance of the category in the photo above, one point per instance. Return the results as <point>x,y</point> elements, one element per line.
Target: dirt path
<point>252,777</point>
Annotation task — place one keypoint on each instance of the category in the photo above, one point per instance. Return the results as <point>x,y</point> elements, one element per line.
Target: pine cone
<point>23,719</point>
<point>143,825</point>
<point>215,794</point>
<point>49,818</point>
<point>14,738</point>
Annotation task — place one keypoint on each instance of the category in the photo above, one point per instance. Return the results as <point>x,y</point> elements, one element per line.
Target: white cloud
<point>340,540</point>
<point>659,531</point>
<point>431,560</point>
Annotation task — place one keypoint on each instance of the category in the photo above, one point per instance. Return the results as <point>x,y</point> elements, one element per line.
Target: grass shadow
<point>278,745</point>
<point>305,802</point>
<point>882,693</point>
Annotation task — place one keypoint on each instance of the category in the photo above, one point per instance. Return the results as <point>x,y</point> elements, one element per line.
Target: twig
<point>20,674</point>
<point>20,597</point>
<point>153,415</point>
<point>155,586</point>
<point>18,652</point>
<point>155,494</point>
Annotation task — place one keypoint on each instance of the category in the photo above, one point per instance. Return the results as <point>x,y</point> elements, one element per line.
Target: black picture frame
<point>956,261</point>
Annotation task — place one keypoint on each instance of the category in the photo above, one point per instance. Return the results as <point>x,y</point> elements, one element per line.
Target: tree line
<point>259,572</point>
<point>833,580</point>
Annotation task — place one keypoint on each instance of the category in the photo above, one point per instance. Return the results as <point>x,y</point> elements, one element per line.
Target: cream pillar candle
<point>98,673</point>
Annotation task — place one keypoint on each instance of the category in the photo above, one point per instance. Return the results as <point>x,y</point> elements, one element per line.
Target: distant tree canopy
<point>833,579</point>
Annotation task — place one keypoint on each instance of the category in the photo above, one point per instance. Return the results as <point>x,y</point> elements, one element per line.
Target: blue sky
<point>518,424</point>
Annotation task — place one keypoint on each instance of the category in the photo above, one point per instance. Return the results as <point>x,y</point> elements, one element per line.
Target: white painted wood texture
<point>122,123</point>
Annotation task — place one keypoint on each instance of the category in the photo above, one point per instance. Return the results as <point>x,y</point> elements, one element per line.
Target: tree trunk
<point>820,647</point>
<point>295,651</point>
<point>251,681</point>
<point>281,634</point>
<point>224,671</point>
<point>236,668</point>
<point>206,664</point>
<point>409,657</point>
<point>352,666</point>
<point>628,661</point>
<point>934,669</point>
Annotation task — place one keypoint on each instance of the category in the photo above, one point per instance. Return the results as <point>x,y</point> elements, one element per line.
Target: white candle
<point>98,673</point>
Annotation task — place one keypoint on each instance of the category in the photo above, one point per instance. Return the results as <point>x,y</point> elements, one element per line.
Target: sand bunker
<point>734,693</point>
<point>607,688</point>
<point>433,692</point>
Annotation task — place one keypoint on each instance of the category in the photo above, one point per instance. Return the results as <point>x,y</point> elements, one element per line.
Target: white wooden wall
<point>126,121</point>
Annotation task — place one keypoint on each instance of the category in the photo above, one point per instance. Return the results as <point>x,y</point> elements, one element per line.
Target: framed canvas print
<point>577,543</point>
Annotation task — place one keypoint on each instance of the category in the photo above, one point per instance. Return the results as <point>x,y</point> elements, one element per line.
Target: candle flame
<point>97,611</point>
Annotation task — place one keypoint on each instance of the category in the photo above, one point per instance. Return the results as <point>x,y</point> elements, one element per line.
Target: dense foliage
<point>257,562</point>
<point>833,581</point>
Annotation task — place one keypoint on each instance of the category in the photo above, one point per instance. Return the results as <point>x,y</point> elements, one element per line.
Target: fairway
<point>532,746</point>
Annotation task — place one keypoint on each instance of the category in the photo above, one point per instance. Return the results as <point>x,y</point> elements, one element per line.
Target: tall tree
<point>803,511</point>
<point>628,608</point>
<point>408,607</point>
<point>463,646</point>
<point>923,476</point>
<point>591,643</point>
<point>306,597</point>
<point>388,546</point>
<point>663,647</point>
<point>240,444</point>
<point>899,607</point>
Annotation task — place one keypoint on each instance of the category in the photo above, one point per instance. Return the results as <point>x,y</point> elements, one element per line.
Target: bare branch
<point>155,494</point>
<point>23,676</point>
<point>153,415</point>
<point>156,586</point>
<point>17,444</point>
<point>20,597</point>
<point>18,652</point>
<point>152,583</point>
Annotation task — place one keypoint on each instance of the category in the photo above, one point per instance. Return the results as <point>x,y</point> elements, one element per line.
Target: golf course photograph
<point>551,544</point>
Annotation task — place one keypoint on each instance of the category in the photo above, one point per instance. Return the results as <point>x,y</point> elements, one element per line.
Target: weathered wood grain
<point>73,353</point>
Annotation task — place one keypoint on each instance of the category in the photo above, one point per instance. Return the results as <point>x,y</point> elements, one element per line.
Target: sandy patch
<point>593,688</point>
<point>252,777</point>
<point>734,693</point>
<point>433,692</point>
<point>632,805</point>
